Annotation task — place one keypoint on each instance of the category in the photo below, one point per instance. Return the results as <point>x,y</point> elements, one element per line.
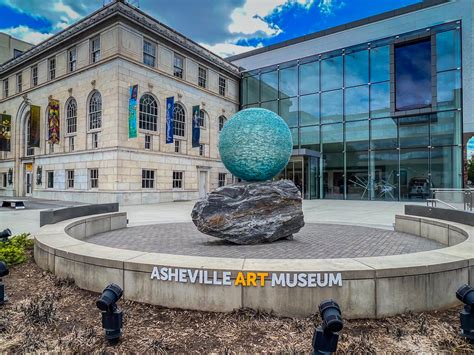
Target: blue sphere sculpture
<point>255,144</point>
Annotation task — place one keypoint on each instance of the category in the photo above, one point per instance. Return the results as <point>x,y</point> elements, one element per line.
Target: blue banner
<point>132,112</point>
<point>169,119</point>
<point>196,126</point>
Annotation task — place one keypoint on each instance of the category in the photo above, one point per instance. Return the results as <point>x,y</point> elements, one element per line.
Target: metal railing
<point>443,196</point>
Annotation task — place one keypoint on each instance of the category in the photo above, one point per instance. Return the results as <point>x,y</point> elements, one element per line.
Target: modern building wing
<point>378,108</point>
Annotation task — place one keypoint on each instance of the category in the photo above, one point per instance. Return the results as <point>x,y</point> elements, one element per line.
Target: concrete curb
<point>372,287</point>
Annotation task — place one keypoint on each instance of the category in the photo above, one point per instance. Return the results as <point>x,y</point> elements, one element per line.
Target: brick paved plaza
<point>313,241</point>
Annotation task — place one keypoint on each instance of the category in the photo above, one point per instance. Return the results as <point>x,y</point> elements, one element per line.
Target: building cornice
<point>133,14</point>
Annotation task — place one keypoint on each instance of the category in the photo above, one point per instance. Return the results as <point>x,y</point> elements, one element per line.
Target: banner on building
<point>132,112</point>
<point>5,132</point>
<point>34,137</point>
<point>53,121</point>
<point>169,119</point>
<point>196,126</point>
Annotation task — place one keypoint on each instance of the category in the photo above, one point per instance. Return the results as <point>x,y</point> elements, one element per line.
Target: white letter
<point>226,278</point>
<point>206,278</point>
<point>193,275</point>
<point>302,280</point>
<point>215,279</point>
<point>325,282</point>
<point>293,282</point>
<point>278,280</point>
<point>155,273</point>
<point>173,274</point>
<point>335,280</point>
<point>182,276</point>
<point>312,280</point>
<point>164,274</point>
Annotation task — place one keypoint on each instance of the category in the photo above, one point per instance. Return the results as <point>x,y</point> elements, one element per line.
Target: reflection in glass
<point>414,178</point>
<point>445,128</point>
<point>309,78</point>
<point>310,137</point>
<point>383,133</point>
<point>413,75</point>
<point>269,86</point>
<point>332,138</point>
<point>357,135</point>
<point>449,90</point>
<point>271,105</point>
<point>356,68</point>
<point>333,176</point>
<point>309,110</point>
<point>331,106</point>
<point>384,175</point>
<point>414,131</point>
<point>446,167</point>
<point>357,103</point>
<point>288,82</point>
<point>253,84</point>
<point>289,111</point>
<point>448,50</point>
<point>357,175</point>
<point>379,64</point>
<point>294,136</point>
<point>331,73</point>
<point>380,100</point>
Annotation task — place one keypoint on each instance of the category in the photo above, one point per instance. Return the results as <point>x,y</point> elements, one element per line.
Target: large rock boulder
<point>251,212</point>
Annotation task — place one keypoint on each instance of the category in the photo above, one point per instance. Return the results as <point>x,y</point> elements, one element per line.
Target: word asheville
<point>246,279</point>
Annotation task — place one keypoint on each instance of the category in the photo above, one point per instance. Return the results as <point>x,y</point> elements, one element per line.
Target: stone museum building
<point>379,109</point>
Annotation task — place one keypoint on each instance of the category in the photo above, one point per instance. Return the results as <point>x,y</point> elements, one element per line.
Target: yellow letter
<point>262,276</point>
<point>251,278</point>
<point>240,279</point>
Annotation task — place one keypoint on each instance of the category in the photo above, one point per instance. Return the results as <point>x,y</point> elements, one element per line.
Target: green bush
<point>14,251</point>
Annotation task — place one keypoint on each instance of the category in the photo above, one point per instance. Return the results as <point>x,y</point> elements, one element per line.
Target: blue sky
<point>224,26</point>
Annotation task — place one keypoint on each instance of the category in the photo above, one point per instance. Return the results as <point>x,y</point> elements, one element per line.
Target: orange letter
<point>251,278</point>
<point>240,279</point>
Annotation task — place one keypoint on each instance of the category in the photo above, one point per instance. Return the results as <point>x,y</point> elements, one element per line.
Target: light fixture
<point>465,294</point>
<point>3,272</point>
<point>326,336</point>
<point>4,234</point>
<point>112,316</point>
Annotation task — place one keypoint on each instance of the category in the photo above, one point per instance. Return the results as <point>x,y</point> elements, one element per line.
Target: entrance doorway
<point>202,184</point>
<point>304,172</point>
<point>28,181</point>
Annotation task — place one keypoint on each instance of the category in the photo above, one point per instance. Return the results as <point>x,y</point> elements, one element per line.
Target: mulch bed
<point>49,314</point>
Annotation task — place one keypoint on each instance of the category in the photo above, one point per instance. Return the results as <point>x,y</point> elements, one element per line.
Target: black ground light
<point>326,336</point>
<point>3,272</point>
<point>112,316</point>
<point>465,294</point>
<point>4,234</point>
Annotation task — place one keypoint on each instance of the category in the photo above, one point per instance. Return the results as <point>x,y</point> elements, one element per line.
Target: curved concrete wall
<point>372,287</point>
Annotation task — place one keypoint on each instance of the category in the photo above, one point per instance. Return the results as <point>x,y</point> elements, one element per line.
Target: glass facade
<point>385,118</point>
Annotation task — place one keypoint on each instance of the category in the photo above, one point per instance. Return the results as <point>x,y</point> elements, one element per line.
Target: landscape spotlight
<point>325,336</point>
<point>465,294</point>
<point>112,316</point>
<point>3,272</point>
<point>4,234</point>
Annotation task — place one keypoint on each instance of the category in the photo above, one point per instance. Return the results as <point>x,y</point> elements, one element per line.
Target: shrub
<point>14,250</point>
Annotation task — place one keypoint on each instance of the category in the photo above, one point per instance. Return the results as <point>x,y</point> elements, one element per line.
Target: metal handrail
<point>434,202</point>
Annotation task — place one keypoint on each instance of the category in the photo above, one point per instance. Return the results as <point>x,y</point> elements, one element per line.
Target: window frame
<point>202,80</point>
<point>70,179</point>
<point>94,118</point>
<point>34,75</point>
<point>93,180</point>
<point>178,71</point>
<point>6,88</point>
<point>52,68</point>
<point>178,179</point>
<point>148,179</point>
<point>177,146</point>
<point>71,120</point>
<point>152,56</point>
<point>50,179</point>
<point>222,121</point>
<point>148,119</point>
<point>221,182</point>
<point>222,85</point>
<point>148,142</point>
<point>202,150</point>
<point>19,82</point>
<point>71,143</point>
<point>95,52</point>
<point>179,125</point>
<point>72,63</point>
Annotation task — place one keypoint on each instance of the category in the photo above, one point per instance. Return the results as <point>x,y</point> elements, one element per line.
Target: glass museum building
<point>379,109</point>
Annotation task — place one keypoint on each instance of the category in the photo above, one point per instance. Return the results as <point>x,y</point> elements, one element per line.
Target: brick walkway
<point>313,241</point>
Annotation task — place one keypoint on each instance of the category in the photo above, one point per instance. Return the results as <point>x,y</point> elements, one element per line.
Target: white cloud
<point>327,7</point>
<point>26,34</point>
<point>227,49</point>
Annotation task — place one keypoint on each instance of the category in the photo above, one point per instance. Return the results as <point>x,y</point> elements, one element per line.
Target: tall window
<point>95,111</point>
<point>148,141</point>
<point>34,75</point>
<point>72,59</point>
<point>202,119</point>
<point>148,115</point>
<point>178,65</point>
<point>5,88</point>
<point>177,179</point>
<point>222,121</point>
<point>95,49</point>
<point>179,118</point>
<point>222,85</point>
<point>148,179</point>
<point>177,146</point>
<point>19,82</point>
<point>52,68</point>
<point>222,177</point>
<point>70,179</point>
<point>413,75</point>
<point>71,143</point>
<point>202,150</point>
<point>50,179</point>
<point>149,53</point>
<point>94,178</point>
<point>71,116</point>
<point>202,77</point>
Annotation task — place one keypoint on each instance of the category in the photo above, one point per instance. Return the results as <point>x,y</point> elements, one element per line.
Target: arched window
<point>179,117</point>
<point>71,116</point>
<point>222,121</point>
<point>95,111</point>
<point>28,150</point>
<point>202,119</point>
<point>148,117</point>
